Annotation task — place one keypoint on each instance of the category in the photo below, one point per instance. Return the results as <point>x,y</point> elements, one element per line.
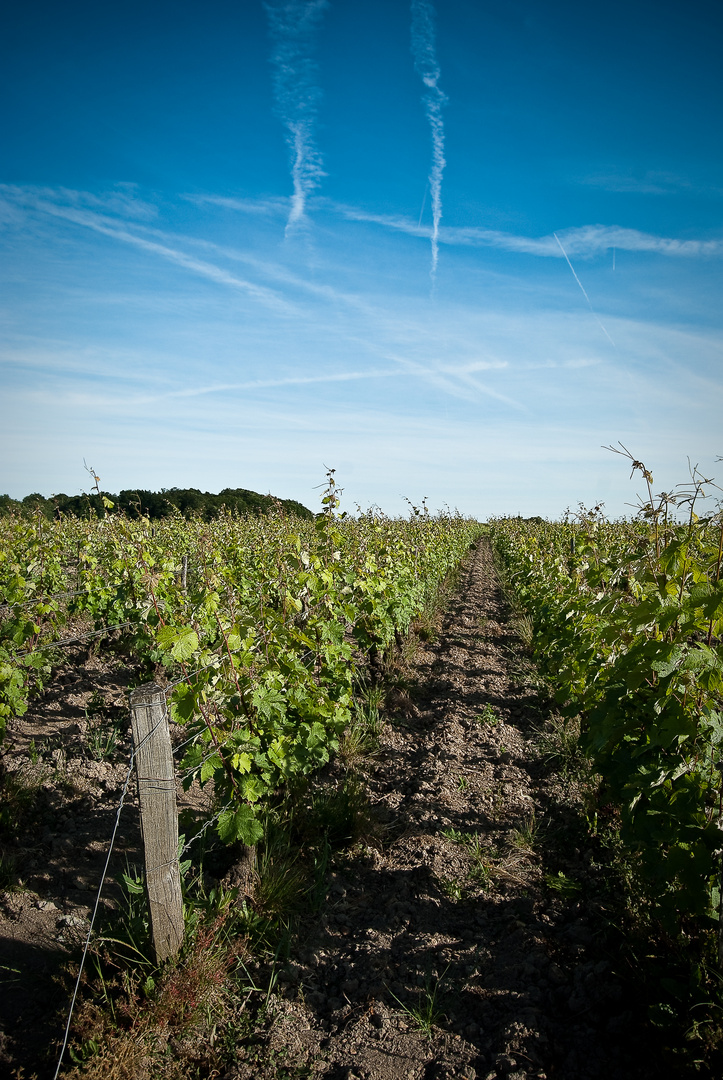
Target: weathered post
<point>159,817</point>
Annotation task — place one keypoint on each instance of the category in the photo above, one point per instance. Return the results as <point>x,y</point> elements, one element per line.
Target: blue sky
<point>449,250</point>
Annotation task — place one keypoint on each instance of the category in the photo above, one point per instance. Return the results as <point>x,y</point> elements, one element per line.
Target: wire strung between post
<point>100,890</point>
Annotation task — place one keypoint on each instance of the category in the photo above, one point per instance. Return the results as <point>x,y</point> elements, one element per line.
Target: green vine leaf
<point>240,825</point>
<point>181,642</point>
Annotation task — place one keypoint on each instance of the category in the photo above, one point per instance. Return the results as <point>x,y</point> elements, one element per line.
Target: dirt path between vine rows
<point>448,913</point>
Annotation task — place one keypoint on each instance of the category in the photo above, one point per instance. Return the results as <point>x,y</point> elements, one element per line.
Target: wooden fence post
<point>159,817</point>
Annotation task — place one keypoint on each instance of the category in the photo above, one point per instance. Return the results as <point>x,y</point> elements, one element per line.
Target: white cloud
<point>424,50</point>
<point>586,240</point>
<point>293,25</point>
<point>46,203</point>
<point>651,182</point>
<point>270,207</point>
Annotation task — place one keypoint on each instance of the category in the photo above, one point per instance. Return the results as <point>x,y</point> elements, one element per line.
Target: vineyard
<point>303,663</point>
<point>259,636</point>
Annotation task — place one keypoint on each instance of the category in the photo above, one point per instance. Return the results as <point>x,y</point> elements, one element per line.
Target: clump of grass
<point>559,745</point>
<point>337,811</point>
<point>426,1014</point>
<point>483,868</point>
<point>19,790</point>
<point>524,627</point>
<point>525,836</point>
<point>361,738</point>
<point>8,872</point>
<point>102,738</point>
<point>281,881</point>
<point>563,884</point>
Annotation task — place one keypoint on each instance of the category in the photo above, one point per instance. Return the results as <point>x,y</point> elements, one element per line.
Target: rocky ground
<point>466,935</point>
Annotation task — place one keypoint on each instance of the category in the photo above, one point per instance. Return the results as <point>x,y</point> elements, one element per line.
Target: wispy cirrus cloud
<point>651,183</point>
<point>293,25</point>
<point>122,200</point>
<point>425,62</point>
<point>288,380</point>
<point>585,240</point>
<point>79,207</point>
<point>313,304</point>
<point>54,204</point>
<point>268,207</point>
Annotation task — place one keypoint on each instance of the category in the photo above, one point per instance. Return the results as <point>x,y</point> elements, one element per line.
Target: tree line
<point>189,502</point>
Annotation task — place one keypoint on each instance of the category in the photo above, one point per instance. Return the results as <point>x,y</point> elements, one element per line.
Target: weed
<point>563,884</point>
<point>18,799</point>
<point>102,737</point>
<point>482,873</point>
<point>281,881</point>
<point>130,927</point>
<point>525,837</point>
<point>454,835</point>
<point>426,1014</point>
<point>425,626</point>
<point>498,802</point>
<point>525,629</point>
<point>317,892</point>
<point>8,873</point>
<point>522,671</point>
<point>559,745</point>
<point>144,1020</point>
<point>361,738</point>
<point>462,783</point>
<point>488,716</point>
<point>339,812</point>
<point>370,696</point>
<point>6,980</point>
<point>87,1050</point>
<point>483,868</point>
<point>451,888</point>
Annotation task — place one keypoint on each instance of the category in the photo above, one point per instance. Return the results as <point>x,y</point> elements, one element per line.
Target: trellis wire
<point>75,640</point>
<point>100,890</point>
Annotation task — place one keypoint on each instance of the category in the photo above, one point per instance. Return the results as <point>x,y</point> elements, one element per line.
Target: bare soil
<point>468,935</point>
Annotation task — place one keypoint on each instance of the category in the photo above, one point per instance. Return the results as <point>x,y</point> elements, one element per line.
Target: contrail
<point>577,279</point>
<point>425,63</point>
<point>293,26</point>
<point>424,203</point>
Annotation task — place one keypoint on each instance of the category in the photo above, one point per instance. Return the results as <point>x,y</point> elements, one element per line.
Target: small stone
<point>70,921</point>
